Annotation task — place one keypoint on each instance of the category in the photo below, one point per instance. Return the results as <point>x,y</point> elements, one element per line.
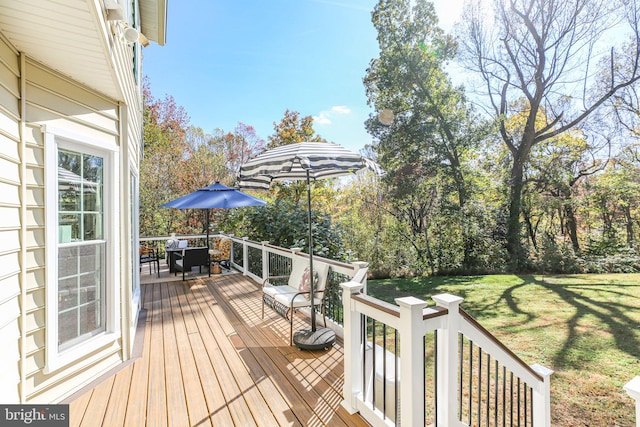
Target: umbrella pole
<point>207,210</point>
<point>312,285</point>
<point>313,338</point>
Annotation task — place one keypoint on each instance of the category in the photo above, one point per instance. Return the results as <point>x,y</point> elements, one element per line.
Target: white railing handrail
<point>412,320</point>
<point>633,390</point>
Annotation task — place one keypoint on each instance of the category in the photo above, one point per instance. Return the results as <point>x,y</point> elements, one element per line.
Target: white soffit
<point>69,36</point>
<point>153,20</point>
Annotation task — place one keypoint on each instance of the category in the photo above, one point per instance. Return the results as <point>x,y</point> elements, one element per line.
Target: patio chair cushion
<point>285,299</point>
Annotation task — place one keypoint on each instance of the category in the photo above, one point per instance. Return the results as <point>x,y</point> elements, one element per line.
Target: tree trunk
<point>572,225</point>
<point>629,218</point>
<point>530,229</point>
<point>514,245</point>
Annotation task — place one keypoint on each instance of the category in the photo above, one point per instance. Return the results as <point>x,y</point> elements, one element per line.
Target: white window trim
<point>135,227</point>
<point>56,359</point>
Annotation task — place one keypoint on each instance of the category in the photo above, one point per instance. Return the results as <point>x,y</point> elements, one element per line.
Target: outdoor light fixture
<point>127,33</point>
<point>386,117</point>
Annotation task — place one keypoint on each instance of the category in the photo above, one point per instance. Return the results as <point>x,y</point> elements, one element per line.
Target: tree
<point>241,145</point>
<point>425,148</point>
<point>164,137</point>
<point>293,129</point>
<point>542,52</point>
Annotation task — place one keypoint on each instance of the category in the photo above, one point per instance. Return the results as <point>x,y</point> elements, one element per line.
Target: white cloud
<point>322,118</point>
<point>341,109</point>
<point>325,116</point>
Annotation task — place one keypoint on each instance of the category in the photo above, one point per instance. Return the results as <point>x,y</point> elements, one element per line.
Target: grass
<point>584,327</point>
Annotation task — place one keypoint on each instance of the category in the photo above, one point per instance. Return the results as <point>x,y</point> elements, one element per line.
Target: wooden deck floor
<point>210,360</point>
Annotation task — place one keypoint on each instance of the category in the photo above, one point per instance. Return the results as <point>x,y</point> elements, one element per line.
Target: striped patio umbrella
<point>292,162</point>
<point>305,161</point>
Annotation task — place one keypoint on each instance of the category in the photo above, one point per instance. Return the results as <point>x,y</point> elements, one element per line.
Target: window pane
<point>91,202</point>
<point>69,228</point>
<point>67,293</point>
<point>67,261</point>
<point>70,162</point>
<point>92,171</point>
<point>92,226</point>
<point>68,196</point>
<point>67,325</point>
<point>89,317</point>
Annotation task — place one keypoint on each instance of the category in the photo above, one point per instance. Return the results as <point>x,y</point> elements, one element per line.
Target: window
<point>81,247</point>
<point>82,243</point>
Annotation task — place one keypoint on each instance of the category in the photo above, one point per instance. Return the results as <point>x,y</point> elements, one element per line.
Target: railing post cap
<point>360,264</point>
<point>296,250</point>
<point>411,302</point>
<point>633,388</point>
<point>264,242</point>
<point>446,300</point>
<point>542,370</point>
<point>353,287</point>
<point>245,238</point>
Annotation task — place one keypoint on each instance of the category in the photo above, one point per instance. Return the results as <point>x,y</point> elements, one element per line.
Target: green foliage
<point>284,223</point>
<point>572,324</point>
<point>456,189</point>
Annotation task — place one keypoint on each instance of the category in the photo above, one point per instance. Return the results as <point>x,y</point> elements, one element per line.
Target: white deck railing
<point>633,389</point>
<point>258,260</point>
<point>521,392</point>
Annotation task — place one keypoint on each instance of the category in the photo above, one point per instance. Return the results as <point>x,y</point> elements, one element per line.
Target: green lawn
<point>584,327</point>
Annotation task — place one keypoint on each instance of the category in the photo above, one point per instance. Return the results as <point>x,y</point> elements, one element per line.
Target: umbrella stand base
<point>320,339</point>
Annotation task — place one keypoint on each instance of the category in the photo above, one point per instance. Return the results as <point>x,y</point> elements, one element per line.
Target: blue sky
<point>230,61</point>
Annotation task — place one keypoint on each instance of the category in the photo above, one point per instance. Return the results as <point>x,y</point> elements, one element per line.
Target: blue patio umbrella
<point>215,196</point>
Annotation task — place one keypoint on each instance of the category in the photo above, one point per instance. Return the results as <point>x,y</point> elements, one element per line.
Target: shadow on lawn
<point>612,314</point>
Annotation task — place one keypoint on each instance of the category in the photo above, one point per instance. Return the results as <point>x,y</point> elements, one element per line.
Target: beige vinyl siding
<point>53,100</point>
<point>9,225</point>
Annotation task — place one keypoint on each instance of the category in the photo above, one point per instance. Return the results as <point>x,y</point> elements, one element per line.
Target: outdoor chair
<point>221,252</point>
<point>285,299</point>
<point>150,256</point>
<point>189,258</point>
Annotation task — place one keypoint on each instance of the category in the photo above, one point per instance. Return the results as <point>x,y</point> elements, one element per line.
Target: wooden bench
<point>285,299</point>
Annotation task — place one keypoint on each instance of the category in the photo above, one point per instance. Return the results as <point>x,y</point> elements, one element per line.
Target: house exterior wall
<point>36,104</point>
<point>10,219</point>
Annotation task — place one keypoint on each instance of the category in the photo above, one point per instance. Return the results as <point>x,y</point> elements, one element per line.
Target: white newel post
<point>633,389</point>
<point>447,369</point>
<point>245,256</point>
<point>412,357</point>
<point>352,348</point>
<point>265,260</point>
<point>542,399</point>
<point>357,266</point>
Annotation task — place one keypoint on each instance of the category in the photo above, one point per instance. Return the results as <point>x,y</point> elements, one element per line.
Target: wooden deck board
<point>156,392</point>
<point>285,356</point>
<point>233,396</point>
<point>177,413</point>
<point>98,404</point>
<point>193,392</point>
<point>136,413</point>
<point>117,406</point>
<point>209,359</point>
